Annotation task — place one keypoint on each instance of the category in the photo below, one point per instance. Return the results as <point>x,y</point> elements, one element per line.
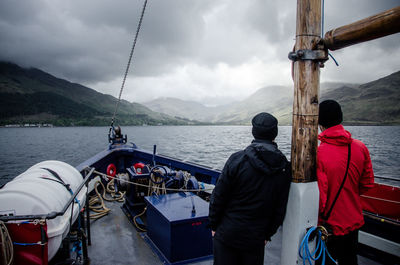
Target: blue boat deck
<point>116,241</point>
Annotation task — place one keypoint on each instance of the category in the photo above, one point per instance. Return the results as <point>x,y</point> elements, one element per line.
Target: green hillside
<point>33,96</point>
<point>374,103</point>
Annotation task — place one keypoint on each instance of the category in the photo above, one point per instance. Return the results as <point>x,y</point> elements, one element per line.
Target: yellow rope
<point>136,224</point>
<point>96,203</point>
<point>155,187</point>
<point>114,196</point>
<point>7,250</point>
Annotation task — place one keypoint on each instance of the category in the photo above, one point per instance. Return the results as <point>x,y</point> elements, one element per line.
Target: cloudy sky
<point>211,51</point>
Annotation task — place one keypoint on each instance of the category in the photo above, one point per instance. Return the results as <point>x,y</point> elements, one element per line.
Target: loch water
<point>206,145</point>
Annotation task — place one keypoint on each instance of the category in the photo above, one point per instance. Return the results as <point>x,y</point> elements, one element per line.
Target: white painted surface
<point>301,213</point>
<point>379,243</point>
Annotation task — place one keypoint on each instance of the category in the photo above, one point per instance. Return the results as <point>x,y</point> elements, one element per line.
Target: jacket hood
<point>265,156</point>
<point>335,135</point>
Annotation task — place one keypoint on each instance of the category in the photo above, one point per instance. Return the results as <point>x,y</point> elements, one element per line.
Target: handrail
<point>381,218</point>
<point>51,215</point>
<point>379,199</point>
<point>398,180</point>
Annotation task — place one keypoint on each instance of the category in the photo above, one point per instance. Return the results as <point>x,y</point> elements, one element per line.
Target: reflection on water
<point>207,145</point>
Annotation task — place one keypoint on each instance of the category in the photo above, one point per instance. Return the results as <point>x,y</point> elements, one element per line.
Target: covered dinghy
<point>43,189</point>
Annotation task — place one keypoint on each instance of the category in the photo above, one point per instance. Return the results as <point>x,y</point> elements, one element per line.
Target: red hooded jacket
<point>346,215</point>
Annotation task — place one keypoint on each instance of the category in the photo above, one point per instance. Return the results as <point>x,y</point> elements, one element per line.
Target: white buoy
<point>32,193</point>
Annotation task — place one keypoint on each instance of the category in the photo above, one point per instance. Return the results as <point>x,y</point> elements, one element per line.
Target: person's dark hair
<point>265,126</point>
<point>330,113</point>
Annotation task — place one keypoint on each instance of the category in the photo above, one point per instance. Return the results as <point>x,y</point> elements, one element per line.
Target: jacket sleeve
<point>367,176</point>
<point>220,197</point>
<point>281,202</point>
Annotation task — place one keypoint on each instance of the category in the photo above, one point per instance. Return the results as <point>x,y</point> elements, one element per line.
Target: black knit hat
<point>330,113</point>
<point>265,126</point>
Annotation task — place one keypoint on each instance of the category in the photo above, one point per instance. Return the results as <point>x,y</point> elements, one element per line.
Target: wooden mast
<point>309,52</point>
<point>302,207</point>
<point>306,90</point>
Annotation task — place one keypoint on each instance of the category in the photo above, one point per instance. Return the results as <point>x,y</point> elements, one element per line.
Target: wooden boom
<point>377,26</point>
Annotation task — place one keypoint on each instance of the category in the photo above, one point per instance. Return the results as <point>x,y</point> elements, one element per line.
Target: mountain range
<point>29,95</point>
<point>373,103</point>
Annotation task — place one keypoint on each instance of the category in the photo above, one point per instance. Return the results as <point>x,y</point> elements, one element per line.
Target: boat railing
<point>188,162</point>
<point>381,219</point>
<point>388,178</point>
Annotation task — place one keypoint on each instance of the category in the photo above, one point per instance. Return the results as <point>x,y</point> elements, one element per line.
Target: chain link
<point>129,63</point>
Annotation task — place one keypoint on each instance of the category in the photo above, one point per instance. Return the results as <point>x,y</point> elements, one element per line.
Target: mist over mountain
<point>33,96</point>
<point>374,103</point>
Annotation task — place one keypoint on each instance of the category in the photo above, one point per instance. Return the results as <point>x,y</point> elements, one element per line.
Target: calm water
<point>207,145</point>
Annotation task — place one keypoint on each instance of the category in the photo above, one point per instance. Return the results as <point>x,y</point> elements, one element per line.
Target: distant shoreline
<point>361,124</point>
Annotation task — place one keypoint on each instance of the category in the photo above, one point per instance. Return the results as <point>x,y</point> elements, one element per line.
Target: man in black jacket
<point>249,201</point>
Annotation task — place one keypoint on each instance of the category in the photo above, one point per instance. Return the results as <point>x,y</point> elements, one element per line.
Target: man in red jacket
<point>344,171</point>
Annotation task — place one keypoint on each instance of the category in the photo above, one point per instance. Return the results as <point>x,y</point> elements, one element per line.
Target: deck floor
<point>116,241</point>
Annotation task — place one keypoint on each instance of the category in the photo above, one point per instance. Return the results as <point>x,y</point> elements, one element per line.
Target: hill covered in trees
<point>33,96</point>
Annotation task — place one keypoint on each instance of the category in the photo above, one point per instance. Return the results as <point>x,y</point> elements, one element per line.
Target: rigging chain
<point>129,62</point>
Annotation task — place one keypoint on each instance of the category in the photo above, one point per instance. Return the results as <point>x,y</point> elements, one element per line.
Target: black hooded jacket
<point>249,201</point>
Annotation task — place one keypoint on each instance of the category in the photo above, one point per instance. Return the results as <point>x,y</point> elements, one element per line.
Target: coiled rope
<point>156,185</point>
<point>150,185</point>
<point>320,249</point>
<point>7,249</point>
<point>96,203</point>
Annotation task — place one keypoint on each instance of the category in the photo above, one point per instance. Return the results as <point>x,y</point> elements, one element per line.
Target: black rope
<point>67,186</point>
<point>129,62</point>
<point>337,64</point>
<point>59,179</point>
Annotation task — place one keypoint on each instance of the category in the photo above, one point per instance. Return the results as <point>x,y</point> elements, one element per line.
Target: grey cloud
<point>89,41</point>
<point>263,16</point>
<point>172,33</point>
<point>345,12</point>
<point>12,12</point>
